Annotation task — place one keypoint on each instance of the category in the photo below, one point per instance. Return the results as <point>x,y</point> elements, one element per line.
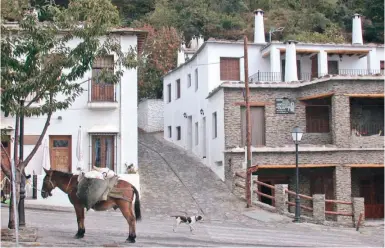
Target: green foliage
<point>331,35</point>
<point>160,56</point>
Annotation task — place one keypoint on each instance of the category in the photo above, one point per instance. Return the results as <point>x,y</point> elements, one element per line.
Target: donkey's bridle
<point>53,186</point>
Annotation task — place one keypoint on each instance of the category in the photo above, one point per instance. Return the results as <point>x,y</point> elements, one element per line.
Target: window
<point>317,119</point>
<point>382,67</point>
<point>169,93</point>
<point>103,151</point>
<point>367,116</point>
<point>169,131</point>
<point>196,79</point>
<point>215,131</point>
<point>196,134</point>
<point>178,133</point>
<point>188,80</point>
<point>100,90</point>
<point>230,69</point>
<point>257,115</point>
<point>178,89</point>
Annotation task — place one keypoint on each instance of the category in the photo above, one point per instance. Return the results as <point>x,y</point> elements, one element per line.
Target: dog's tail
<point>137,204</point>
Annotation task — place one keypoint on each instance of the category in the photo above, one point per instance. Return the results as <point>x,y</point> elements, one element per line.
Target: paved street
<point>110,229</point>
<point>175,182</point>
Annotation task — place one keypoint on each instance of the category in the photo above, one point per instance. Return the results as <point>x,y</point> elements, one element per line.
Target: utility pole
<point>21,155</point>
<point>248,125</point>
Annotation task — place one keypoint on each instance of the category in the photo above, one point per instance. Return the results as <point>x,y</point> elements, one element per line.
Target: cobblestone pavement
<point>109,229</point>
<point>174,181</point>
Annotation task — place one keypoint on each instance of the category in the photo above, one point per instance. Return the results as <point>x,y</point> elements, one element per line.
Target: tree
<point>160,56</point>
<point>37,61</point>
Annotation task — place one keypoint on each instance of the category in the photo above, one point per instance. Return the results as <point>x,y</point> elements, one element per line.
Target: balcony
<point>261,76</point>
<point>102,96</point>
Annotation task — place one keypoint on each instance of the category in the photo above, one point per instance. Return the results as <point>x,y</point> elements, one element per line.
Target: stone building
<point>334,92</point>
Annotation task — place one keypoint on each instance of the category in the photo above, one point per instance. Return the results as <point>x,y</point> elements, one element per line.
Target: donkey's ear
<point>45,170</point>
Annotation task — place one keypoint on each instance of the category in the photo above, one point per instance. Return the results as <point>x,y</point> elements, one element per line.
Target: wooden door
<point>60,152</point>
<point>257,115</point>
<point>372,189</point>
<point>314,66</point>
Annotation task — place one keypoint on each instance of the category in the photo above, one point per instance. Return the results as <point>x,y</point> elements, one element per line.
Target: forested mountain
<point>170,21</point>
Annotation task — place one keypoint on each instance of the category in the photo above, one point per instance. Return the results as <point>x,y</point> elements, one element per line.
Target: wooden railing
<point>339,213</point>
<point>300,196</point>
<point>263,194</point>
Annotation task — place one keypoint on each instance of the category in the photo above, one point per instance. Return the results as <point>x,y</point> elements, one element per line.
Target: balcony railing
<point>368,129</point>
<point>101,92</point>
<point>359,72</point>
<point>262,76</point>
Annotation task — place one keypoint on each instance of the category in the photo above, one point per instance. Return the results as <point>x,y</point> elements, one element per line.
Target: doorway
<point>60,152</point>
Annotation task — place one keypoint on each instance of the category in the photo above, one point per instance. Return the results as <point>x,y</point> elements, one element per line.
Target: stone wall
<point>279,126</point>
<point>308,157</point>
<point>150,115</point>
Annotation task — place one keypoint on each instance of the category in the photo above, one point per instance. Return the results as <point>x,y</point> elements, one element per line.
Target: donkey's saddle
<point>92,190</point>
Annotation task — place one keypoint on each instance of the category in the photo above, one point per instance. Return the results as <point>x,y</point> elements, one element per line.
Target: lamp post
<point>297,133</point>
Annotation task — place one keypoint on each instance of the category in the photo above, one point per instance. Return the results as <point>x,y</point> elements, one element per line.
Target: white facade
<point>117,118</point>
<point>150,115</point>
<point>266,61</point>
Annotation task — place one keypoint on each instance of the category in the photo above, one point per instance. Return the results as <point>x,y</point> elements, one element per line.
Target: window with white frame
<point>177,86</point>
<point>169,131</point>
<point>189,80</point>
<point>215,128</point>
<point>178,133</point>
<point>196,134</point>
<point>169,93</point>
<point>103,150</point>
<point>196,79</point>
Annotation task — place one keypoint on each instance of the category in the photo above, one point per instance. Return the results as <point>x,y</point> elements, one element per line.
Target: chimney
<point>200,41</point>
<point>357,30</point>
<point>290,61</point>
<point>181,57</point>
<point>259,30</point>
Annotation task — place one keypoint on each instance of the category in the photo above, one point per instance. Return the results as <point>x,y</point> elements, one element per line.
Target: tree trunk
<point>11,222</point>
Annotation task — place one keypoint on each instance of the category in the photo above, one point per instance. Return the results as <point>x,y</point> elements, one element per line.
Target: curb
<point>44,207</point>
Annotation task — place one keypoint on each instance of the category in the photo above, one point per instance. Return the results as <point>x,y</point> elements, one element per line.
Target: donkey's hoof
<point>79,236</point>
<point>131,239</point>
<point>128,240</point>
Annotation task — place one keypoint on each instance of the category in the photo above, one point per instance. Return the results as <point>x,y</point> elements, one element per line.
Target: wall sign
<point>284,106</point>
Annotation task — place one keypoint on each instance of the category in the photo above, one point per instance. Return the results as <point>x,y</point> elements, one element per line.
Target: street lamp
<point>297,133</point>
<point>21,155</point>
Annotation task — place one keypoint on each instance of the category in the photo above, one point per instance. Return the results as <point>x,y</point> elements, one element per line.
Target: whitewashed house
<point>104,115</point>
<point>196,103</point>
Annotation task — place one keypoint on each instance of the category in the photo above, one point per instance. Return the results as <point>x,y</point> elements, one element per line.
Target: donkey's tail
<point>137,204</point>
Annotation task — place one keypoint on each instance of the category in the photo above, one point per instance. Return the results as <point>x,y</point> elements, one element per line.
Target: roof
<point>126,30</point>
<point>290,85</point>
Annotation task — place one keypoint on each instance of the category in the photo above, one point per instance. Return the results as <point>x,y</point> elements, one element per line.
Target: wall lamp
<point>202,112</point>
<point>184,115</point>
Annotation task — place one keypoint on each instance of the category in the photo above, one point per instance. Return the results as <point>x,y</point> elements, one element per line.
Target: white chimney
<point>357,30</point>
<point>181,56</point>
<point>200,41</point>
<point>290,61</point>
<point>259,29</point>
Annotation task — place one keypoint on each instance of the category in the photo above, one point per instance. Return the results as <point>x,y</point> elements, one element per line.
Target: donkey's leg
<point>80,219</point>
<point>126,209</point>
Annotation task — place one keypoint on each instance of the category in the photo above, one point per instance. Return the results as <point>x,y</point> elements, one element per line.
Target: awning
<point>6,126</point>
<point>103,129</point>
